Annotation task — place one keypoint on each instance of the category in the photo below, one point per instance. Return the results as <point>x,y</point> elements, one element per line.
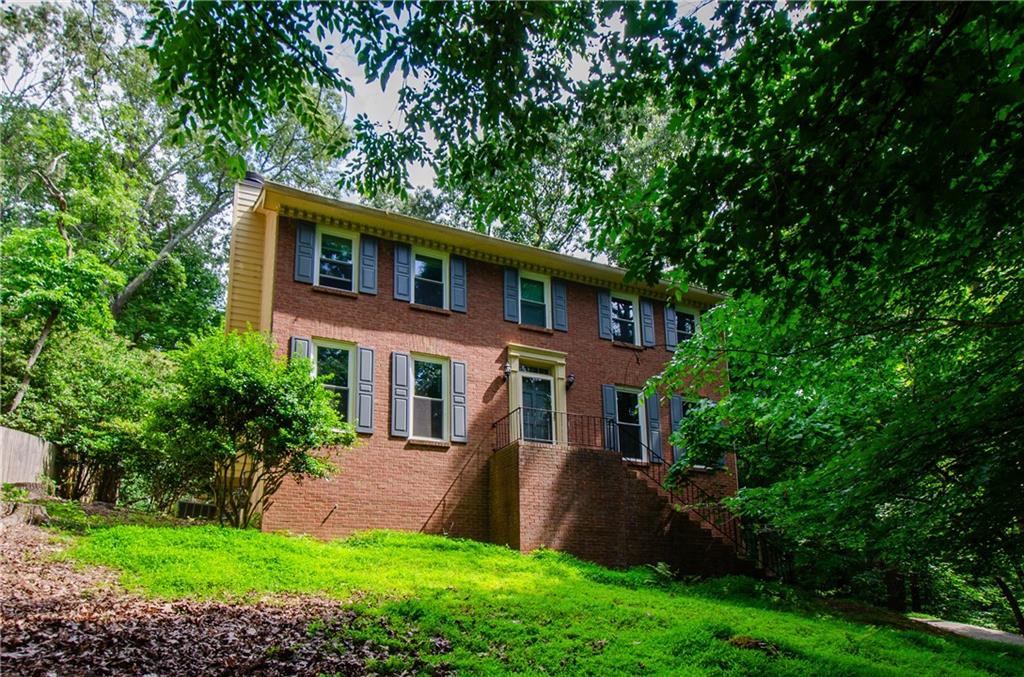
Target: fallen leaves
<point>59,619</point>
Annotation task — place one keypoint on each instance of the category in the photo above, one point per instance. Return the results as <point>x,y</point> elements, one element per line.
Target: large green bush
<point>240,419</point>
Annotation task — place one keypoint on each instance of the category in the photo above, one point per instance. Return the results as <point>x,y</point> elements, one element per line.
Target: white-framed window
<point>534,299</point>
<point>687,323</point>
<point>335,360</point>
<point>631,423</point>
<point>625,311</point>
<point>429,398</point>
<point>430,278</point>
<point>336,254</point>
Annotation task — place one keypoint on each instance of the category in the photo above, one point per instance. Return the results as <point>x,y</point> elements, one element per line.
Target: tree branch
<point>216,205</point>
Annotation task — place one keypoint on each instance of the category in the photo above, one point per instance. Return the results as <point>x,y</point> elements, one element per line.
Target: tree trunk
<point>1012,600</point>
<point>62,205</point>
<point>896,591</point>
<point>107,486</point>
<point>62,470</point>
<point>118,304</point>
<point>32,357</point>
<point>915,592</point>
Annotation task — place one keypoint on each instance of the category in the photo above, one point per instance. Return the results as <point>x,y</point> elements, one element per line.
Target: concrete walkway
<point>976,632</point>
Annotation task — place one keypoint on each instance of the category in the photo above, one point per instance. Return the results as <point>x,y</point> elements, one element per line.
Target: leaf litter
<point>61,619</point>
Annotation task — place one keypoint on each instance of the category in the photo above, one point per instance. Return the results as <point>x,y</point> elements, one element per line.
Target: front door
<point>537,409</point>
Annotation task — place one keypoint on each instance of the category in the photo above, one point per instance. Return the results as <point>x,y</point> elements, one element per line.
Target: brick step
<point>690,514</point>
<point>709,552</point>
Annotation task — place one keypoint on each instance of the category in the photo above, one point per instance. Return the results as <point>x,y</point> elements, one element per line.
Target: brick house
<point>495,386</point>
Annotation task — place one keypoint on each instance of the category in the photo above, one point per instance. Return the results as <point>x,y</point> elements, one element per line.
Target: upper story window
<point>429,279</point>
<point>686,324</point>
<point>624,319</point>
<point>334,255</point>
<point>534,308</point>
<point>334,361</point>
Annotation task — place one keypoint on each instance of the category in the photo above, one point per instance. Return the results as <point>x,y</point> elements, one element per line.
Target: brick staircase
<point>696,544</point>
<point>582,497</point>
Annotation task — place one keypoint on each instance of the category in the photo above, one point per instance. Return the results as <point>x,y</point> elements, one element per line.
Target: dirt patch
<point>59,619</point>
<point>744,642</point>
<point>860,612</point>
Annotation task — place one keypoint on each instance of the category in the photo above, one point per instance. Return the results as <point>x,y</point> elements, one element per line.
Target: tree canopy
<point>114,229</point>
<point>849,173</point>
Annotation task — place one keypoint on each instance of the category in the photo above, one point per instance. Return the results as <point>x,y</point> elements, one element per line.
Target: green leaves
<point>39,278</point>
<point>240,419</point>
<point>468,71</point>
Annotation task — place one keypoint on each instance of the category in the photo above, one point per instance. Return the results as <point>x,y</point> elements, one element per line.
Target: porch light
<point>569,381</point>
<point>507,370</point>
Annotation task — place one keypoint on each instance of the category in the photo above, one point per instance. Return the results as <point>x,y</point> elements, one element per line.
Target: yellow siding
<point>245,264</point>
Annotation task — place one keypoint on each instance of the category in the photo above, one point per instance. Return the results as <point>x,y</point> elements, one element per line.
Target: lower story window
<point>333,362</point>
<point>428,399</point>
<point>628,419</point>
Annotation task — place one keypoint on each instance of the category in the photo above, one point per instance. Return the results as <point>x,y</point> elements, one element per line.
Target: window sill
<point>430,309</point>
<point>627,346</point>
<point>434,445</point>
<point>706,469</point>
<point>335,292</point>
<point>535,328</point>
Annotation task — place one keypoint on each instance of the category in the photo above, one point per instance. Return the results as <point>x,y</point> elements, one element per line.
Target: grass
<point>71,517</point>
<point>543,613</point>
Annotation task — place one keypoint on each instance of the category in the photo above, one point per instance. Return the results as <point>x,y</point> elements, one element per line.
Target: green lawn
<point>505,612</point>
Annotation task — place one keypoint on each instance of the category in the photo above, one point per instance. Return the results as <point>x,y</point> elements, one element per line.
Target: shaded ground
<point>547,612</point>
<point>67,620</point>
<point>976,632</point>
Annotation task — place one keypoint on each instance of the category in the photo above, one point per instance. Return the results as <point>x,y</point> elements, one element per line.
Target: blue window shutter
<point>305,246</point>
<point>367,264</point>
<point>401,394</point>
<point>671,335</point>
<point>511,295</point>
<point>611,431</point>
<point>458,278</point>
<point>559,305</point>
<point>604,314</point>
<point>677,410</point>
<point>300,346</point>
<point>647,321</point>
<point>364,390</point>
<point>403,272</point>
<point>460,401</point>
<point>654,428</point>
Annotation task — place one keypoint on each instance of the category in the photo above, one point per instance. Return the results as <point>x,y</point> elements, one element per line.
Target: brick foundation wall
<point>588,503</point>
<point>504,497</point>
<point>392,483</point>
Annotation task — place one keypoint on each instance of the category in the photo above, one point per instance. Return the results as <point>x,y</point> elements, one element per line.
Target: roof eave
<point>277,195</point>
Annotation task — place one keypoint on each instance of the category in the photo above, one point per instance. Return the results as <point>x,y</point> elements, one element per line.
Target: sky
<point>382,106</point>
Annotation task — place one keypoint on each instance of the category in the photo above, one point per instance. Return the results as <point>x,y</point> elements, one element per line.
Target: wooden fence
<point>24,458</point>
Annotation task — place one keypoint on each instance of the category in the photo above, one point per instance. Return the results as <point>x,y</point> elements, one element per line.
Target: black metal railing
<point>753,542</point>
<point>550,427</point>
<point>688,495</point>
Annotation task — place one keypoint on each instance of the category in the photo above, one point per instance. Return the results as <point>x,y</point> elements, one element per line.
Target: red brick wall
<point>391,483</point>
<point>588,503</point>
<point>504,497</point>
